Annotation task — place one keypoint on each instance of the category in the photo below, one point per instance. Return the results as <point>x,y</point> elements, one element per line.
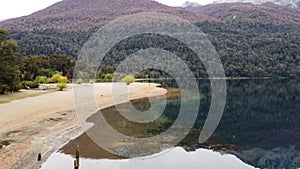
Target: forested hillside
<point>256,50</point>
<point>267,13</point>
<point>50,41</point>
<point>251,40</point>
<point>246,49</point>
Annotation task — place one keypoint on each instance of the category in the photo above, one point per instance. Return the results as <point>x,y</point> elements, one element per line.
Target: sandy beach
<point>43,123</point>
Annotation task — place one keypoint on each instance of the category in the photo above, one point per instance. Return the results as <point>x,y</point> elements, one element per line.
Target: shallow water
<point>260,125</point>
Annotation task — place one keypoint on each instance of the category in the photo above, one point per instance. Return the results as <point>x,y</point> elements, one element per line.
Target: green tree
<point>47,72</point>
<point>9,70</point>
<point>31,67</point>
<point>86,71</point>
<point>61,63</point>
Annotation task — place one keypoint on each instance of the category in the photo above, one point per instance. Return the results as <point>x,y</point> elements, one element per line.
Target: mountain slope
<point>246,12</point>
<point>290,3</point>
<point>252,40</point>
<point>87,14</point>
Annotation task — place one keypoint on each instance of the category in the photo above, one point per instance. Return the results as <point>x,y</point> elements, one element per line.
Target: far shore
<point>42,123</point>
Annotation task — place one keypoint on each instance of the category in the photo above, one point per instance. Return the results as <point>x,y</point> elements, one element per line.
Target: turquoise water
<point>260,125</point>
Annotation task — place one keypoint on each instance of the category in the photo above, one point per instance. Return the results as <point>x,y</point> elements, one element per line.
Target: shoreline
<point>54,127</point>
<point>221,78</point>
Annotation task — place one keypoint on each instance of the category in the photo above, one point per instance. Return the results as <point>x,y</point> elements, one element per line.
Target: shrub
<point>99,80</point>
<point>61,86</point>
<point>62,79</point>
<point>117,77</point>
<point>4,88</point>
<point>128,79</point>
<point>79,81</point>
<point>54,78</point>
<point>102,76</point>
<point>29,85</point>
<point>41,79</point>
<point>108,77</point>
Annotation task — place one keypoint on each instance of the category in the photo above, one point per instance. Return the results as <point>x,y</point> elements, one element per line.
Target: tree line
<point>19,71</point>
<point>245,49</point>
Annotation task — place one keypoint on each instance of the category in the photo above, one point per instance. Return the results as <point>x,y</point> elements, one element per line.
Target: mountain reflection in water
<point>260,124</point>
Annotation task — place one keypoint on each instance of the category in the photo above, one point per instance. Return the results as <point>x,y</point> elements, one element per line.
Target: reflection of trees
<point>259,113</point>
<point>259,106</point>
<point>256,112</point>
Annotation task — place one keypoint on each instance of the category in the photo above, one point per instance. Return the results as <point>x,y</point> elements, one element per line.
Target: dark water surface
<point>260,124</point>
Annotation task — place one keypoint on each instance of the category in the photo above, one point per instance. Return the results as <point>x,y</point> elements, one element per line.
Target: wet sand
<point>42,124</point>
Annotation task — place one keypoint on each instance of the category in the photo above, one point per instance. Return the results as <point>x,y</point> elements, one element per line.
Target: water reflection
<point>176,158</point>
<point>260,123</point>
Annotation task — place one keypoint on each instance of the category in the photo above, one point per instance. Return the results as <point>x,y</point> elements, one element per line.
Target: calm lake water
<point>260,126</point>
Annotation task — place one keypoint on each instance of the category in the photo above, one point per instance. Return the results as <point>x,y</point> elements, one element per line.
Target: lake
<point>260,126</point>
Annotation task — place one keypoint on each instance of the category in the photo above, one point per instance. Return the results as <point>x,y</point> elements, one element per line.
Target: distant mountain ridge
<point>290,3</point>
<point>88,14</point>
<point>267,13</point>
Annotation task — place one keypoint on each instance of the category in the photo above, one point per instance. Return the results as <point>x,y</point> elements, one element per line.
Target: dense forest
<point>19,71</point>
<point>256,50</point>
<point>248,12</point>
<point>246,49</point>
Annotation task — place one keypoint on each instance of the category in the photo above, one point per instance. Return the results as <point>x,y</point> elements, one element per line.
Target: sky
<point>16,8</point>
